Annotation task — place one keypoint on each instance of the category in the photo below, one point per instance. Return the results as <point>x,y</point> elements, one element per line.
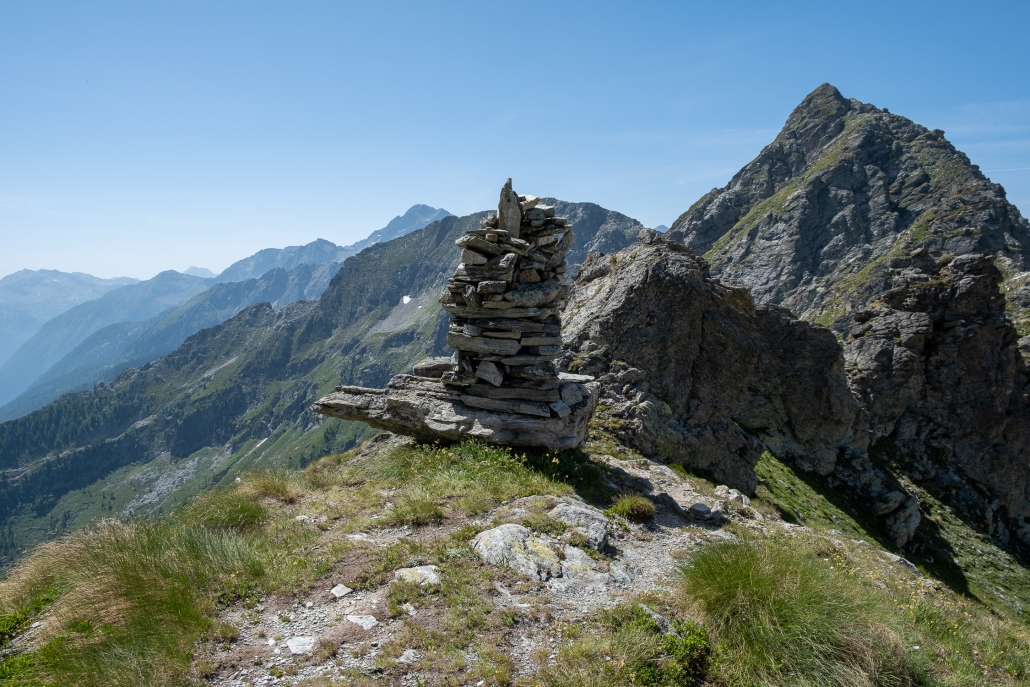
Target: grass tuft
<point>277,484</point>
<point>229,509</point>
<point>417,508</point>
<point>629,649</point>
<point>779,615</point>
<point>633,507</point>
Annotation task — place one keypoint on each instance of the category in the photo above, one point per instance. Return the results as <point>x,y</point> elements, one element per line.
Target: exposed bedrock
<point>929,385</point>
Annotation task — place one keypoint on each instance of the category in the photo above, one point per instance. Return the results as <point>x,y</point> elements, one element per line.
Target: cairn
<point>501,384</point>
<point>503,299</point>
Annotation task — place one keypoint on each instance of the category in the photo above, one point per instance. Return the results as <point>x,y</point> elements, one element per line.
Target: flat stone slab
<point>365,621</point>
<point>301,645</point>
<point>428,411</point>
<point>421,575</point>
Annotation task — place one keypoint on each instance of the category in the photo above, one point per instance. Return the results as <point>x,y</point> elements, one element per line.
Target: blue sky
<point>137,137</point>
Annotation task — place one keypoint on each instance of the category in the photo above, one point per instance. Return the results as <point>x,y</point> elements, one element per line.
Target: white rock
<point>589,522</point>
<point>422,575</point>
<point>408,657</point>
<point>308,604</point>
<point>301,645</point>
<point>514,546</point>
<point>724,492</point>
<point>340,591</point>
<point>366,621</point>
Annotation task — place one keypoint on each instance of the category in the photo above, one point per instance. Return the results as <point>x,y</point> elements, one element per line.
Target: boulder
<point>589,522</point>
<point>515,547</point>
<point>422,575</point>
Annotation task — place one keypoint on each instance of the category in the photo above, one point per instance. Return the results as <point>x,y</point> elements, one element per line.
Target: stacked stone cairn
<point>504,300</point>
<point>500,385</point>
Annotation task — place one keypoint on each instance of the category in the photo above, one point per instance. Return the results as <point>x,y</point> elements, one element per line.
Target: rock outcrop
<point>501,385</point>
<point>937,367</point>
<point>692,371</point>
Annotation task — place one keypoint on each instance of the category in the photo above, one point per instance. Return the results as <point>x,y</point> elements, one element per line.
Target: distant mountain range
<point>31,297</point>
<point>322,251</point>
<point>93,342</point>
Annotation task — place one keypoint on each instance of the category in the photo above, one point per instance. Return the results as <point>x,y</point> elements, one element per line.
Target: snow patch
<point>406,299</point>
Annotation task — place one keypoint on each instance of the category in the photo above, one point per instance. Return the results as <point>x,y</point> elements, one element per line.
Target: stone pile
<point>503,299</point>
<point>501,385</point>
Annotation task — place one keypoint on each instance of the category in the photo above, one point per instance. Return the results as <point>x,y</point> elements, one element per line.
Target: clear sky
<point>142,136</point>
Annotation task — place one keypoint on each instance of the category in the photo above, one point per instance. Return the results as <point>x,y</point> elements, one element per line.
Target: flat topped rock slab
<point>428,411</point>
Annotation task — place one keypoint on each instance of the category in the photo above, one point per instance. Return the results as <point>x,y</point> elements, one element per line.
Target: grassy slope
<point>234,545</point>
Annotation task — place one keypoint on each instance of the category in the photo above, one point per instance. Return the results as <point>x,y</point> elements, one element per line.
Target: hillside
<point>236,395</point>
<point>277,275</point>
<point>31,297</point>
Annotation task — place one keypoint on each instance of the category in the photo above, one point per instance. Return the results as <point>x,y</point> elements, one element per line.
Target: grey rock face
<point>938,368</point>
<point>684,361</point>
<point>691,371</point>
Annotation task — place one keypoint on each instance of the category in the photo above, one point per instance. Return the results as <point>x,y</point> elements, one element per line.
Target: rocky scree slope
<point>236,395</point>
<point>821,221</point>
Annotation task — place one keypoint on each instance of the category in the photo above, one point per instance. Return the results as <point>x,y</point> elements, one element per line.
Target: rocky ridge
<point>813,223</point>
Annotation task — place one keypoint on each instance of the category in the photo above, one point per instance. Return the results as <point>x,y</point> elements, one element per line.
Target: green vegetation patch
<point>633,507</point>
<point>780,616</point>
<point>626,646</point>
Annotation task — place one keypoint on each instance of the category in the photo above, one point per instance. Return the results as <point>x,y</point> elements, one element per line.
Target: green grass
<point>624,646</point>
<point>633,507</point>
<point>780,616</point>
<point>227,509</point>
<point>135,600</point>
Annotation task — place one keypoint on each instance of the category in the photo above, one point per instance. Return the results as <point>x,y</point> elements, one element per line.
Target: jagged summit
<point>812,222</point>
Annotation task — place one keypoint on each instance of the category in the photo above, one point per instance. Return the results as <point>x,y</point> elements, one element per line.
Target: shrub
<point>630,649</point>
<point>779,616</point>
<point>633,507</point>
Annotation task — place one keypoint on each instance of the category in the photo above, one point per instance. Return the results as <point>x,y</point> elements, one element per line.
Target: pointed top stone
<point>509,211</point>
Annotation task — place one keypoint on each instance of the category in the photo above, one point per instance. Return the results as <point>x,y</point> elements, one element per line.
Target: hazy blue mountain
<point>662,228</point>
<point>60,335</point>
<point>110,350</point>
<point>31,297</point>
<point>321,251</point>
<point>202,272</point>
<point>417,217</point>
